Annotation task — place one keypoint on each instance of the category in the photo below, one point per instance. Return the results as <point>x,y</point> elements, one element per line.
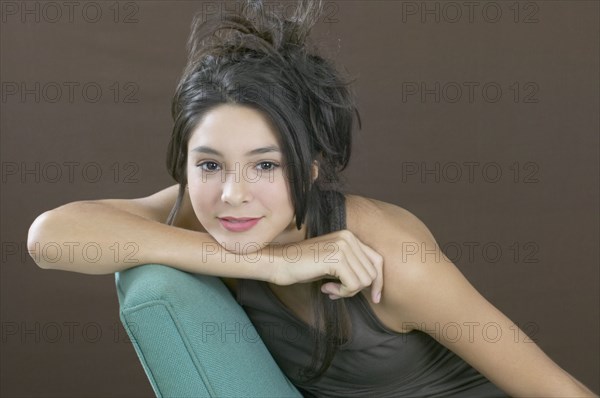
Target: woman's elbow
<point>41,235</point>
<point>34,237</point>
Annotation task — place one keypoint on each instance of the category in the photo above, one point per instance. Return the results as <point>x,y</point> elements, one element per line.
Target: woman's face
<point>235,169</point>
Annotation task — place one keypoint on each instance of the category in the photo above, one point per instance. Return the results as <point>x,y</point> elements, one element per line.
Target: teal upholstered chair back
<point>192,338</point>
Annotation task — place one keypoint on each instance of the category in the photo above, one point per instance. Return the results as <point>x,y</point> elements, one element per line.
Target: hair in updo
<point>259,59</point>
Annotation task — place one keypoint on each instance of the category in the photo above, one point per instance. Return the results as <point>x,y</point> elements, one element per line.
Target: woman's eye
<point>212,166</point>
<point>208,166</point>
<point>273,166</point>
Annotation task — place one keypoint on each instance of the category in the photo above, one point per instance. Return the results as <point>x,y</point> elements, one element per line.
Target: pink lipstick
<point>238,224</point>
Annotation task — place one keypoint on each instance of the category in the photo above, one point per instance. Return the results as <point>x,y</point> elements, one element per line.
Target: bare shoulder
<point>382,222</point>
<point>398,236</point>
<point>157,207</point>
<point>408,247</point>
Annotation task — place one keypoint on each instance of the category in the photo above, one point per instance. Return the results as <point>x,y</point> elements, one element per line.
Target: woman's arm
<point>107,236</point>
<point>430,294</point>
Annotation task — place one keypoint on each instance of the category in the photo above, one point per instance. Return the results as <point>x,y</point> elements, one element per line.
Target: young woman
<point>262,127</point>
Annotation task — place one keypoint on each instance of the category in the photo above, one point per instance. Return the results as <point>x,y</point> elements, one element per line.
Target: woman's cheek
<point>197,196</point>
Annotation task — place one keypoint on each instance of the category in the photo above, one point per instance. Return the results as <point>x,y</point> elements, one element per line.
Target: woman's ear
<point>315,170</point>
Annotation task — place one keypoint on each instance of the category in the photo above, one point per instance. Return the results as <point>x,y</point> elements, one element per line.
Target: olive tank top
<point>375,361</point>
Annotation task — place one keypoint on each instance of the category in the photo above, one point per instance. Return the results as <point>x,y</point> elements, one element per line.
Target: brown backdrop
<point>482,120</point>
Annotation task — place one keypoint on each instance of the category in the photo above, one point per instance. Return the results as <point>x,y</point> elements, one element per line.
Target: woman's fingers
<point>357,268</point>
<point>377,261</point>
<point>352,265</point>
<point>372,264</point>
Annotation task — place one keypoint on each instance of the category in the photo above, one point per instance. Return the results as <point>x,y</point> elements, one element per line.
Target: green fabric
<point>192,337</point>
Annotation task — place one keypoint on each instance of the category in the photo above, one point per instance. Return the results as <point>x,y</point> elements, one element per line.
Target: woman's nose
<point>236,188</point>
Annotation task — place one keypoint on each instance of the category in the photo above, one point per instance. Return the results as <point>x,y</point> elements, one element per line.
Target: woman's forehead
<point>234,126</point>
<point>229,142</point>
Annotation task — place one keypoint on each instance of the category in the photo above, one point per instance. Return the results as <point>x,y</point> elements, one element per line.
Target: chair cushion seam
<point>183,336</point>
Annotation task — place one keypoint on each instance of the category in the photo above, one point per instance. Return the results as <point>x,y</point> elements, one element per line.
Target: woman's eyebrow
<point>211,151</point>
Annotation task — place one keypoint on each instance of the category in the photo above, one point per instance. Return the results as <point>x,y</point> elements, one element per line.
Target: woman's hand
<point>339,255</point>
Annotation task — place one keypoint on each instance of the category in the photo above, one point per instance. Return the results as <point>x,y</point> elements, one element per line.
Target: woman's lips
<point>239,224</point>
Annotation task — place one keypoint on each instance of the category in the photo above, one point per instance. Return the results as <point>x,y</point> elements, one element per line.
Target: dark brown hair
<point>259,59</point>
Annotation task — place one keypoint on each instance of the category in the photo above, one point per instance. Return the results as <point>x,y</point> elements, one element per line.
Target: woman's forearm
<point>101,238</point>
<point>95,238</point>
